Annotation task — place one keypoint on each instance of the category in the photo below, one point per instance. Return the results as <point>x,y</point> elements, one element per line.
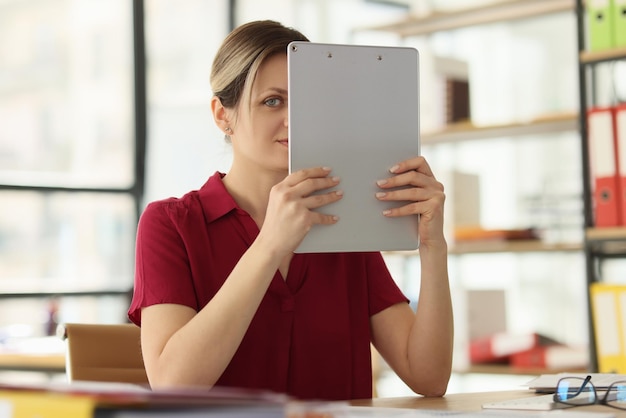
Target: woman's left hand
<point>424,194</point>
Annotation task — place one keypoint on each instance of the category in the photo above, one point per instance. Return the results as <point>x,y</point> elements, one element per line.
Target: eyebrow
<point>277,90</point>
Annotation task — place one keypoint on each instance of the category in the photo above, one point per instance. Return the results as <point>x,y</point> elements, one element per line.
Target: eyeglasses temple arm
<point>585,383</point>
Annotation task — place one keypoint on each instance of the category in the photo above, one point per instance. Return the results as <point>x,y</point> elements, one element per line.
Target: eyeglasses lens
<point>574,391</point>
<point>616,396</point>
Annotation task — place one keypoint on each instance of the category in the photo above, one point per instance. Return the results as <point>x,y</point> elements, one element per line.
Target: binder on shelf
<point>599,24</point>
<point>604,169</point>
<point>499,347</point>
<point>556,356</point>
<point>608,303</point>
<point>619,126</point>
<point>619,22</point>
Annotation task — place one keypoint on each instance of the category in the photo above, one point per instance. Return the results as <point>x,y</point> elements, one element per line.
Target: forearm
<point>431,337</point>
<point>199,352</point>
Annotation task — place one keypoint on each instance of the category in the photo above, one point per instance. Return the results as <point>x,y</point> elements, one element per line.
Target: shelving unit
<point>600,243</point>
<point>548,124</point>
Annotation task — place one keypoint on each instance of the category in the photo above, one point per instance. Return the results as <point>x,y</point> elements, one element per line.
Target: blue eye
<point>273,101</point>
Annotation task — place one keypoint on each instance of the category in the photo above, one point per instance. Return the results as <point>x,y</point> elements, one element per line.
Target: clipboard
<point>354,108</point>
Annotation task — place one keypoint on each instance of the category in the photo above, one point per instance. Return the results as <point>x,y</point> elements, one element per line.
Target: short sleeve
<point>162,272</point>
<point>383,290</point>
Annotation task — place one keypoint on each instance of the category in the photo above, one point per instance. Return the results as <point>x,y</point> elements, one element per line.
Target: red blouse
<point>310,337</point>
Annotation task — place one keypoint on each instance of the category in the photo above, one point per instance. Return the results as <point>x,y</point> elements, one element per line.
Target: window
<point>69,188</point>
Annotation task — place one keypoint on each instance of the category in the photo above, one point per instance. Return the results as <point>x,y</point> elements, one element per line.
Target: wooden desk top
<point>468,402</point>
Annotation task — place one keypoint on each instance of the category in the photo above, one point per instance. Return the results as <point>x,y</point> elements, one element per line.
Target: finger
<point>412,178</point>
<point>419,201</point>
<point>411,194</point>
<point>299,176</point>
<point>418,164</point>
<point>410,209</point>
<point>311,185</point>
<point>324,219</point>
<point>319,200</point>
<point>413,208</point>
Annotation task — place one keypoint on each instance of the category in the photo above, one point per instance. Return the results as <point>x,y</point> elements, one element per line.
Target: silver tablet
<point>356,109</point>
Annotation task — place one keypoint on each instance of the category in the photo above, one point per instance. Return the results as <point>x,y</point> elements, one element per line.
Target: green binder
<point>599,23</point>
<point>619,22</point>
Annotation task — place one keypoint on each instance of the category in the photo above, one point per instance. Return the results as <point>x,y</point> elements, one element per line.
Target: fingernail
<point>381,194</point>
<point>335,179</point>
<point>339,192</point>
<point>381,182</point>
<point>326,168</point>
<point>335,218</point>
<point>394,168</point>
<point>386,212</point>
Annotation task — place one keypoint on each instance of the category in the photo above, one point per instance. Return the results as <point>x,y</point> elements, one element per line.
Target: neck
<point>251,188</point>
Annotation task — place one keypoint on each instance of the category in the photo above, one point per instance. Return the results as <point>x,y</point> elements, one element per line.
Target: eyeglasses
<point>576,391</point>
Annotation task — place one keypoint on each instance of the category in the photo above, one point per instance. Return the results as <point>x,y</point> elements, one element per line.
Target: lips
<point>284,142</point>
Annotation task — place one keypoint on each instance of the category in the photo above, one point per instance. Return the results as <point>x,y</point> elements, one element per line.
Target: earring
<point>228,131</point>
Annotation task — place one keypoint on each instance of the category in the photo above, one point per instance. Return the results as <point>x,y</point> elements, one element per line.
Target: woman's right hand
<point>289,214</point>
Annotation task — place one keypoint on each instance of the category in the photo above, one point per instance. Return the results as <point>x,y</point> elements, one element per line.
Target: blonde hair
<point>243,51</point>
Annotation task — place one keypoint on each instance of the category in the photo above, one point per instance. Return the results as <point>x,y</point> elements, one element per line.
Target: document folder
<point>599,22</point>
<point>619,23</point>
<point>608,302</point>
<point>619,115</point>
<point>604,181</point>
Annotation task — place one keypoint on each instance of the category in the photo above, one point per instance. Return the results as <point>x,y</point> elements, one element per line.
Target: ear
<point>220,114</point>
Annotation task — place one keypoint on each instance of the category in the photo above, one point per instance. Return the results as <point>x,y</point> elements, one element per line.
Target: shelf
<point>501,246</point>
<point>593,57</point>
<point>607,241</point>
<point>498,12</point>
<point>522,246</point>
<point>467,131</point>
<point>606,234</point>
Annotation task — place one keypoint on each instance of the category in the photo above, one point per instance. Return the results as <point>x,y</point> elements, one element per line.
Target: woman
<point>220,296</point>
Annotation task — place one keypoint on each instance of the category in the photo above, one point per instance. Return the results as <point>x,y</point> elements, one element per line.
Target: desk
<point>468,402</point>
<point>464,402</point>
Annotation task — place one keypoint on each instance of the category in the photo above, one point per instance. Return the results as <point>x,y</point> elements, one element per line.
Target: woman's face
<point>260,134</point>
